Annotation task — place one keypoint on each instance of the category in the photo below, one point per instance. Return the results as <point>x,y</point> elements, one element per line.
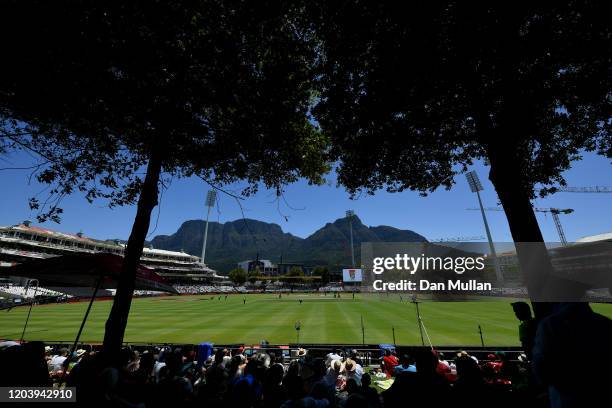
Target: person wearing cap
<point>527,327</point>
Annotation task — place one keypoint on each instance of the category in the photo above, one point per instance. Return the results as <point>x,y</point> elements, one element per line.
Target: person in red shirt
<point>389,363</point>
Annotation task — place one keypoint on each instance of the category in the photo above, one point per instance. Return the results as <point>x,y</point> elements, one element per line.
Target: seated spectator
<point>368,392</point>
<point>351,389</point>
<point>172,387</point>
<point>355,357</point>
<point>57,361</point>
<point>297,395</point>
<point>331,357</point>
<point>236,367</point>
<point>424,388</point>
<point>353,371</point>
<point>134,361</point>
<point>356,401</point>
<point>145,372</point>
<point>247,390</point>
<point>26,366</point>
<point>322,386</point>
<point>404,366</point>
<point>389,363</point>
<point>335,376</point>
<point>444,368</point>
<point>274,392</point>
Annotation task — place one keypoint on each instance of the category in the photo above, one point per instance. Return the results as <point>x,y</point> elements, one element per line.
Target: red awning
<point>85,270</point>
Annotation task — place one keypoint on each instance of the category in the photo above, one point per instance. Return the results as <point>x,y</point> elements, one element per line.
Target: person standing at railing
<point>527,327</point>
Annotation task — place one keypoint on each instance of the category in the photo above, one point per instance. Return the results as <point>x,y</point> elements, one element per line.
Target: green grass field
<point>192,319</point>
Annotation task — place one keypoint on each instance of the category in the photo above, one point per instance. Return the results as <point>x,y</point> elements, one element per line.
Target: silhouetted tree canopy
<point>412,94</point>
<point>103,91</point>
<point>221,88</point>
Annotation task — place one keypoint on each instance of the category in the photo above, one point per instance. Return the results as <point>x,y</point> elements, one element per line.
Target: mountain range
<point>235,241</point>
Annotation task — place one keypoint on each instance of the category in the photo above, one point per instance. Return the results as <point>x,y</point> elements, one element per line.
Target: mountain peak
<point>234,241</point>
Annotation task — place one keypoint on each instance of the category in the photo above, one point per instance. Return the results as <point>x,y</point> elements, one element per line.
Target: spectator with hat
<point>352,370</point>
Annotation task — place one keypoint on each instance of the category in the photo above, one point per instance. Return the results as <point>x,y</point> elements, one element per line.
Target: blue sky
<point>442,214</point>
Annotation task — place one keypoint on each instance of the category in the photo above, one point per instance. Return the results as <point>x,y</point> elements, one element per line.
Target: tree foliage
<point>412,94</point>
<point>323,272</point>
<point>238,276</point>
<point>295,271</point>
<point>220,90</point>
<point>254,274</point>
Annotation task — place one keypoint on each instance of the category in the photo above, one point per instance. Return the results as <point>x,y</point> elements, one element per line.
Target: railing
<point>369,354</point>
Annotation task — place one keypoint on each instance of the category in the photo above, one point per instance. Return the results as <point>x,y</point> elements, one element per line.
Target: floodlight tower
<point>211,199</point>
<point>349,216</point>
<point>476,187</point>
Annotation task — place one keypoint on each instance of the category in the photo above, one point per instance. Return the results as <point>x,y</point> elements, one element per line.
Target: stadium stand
<point>28,293</point>
<point>200,289</point>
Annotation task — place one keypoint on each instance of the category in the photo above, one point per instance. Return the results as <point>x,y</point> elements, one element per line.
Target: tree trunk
<point>118,317</point>
<point>533,259</point>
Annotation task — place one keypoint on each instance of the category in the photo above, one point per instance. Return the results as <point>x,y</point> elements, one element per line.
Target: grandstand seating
<point>200,289</point>
<point>20,291</point>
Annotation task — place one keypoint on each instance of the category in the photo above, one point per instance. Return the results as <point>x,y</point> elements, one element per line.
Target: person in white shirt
<point>57,361</point>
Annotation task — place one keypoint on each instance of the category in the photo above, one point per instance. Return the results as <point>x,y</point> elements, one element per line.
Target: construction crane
<point>553,211</point>
<point>594,189</point>
<point>459,239</point>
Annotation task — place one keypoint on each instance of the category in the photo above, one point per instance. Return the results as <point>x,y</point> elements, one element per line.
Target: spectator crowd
<point>562,368</point>
<point>164,376</point>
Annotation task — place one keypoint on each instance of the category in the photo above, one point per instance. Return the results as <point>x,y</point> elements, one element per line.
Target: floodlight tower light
<point>476,187</point>
<point>349,215</point>
<point>211,199</point>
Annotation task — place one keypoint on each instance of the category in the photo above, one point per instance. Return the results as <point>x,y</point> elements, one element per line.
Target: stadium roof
<point>599,237</point>
<point>82,238</point>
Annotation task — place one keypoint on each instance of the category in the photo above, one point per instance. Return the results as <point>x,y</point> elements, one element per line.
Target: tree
<point>253,275</point>
<point>238,276</point>
<point>411,97</point>
<point>105,92</point>
<point>323,272</point>
<point>295,271</point>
